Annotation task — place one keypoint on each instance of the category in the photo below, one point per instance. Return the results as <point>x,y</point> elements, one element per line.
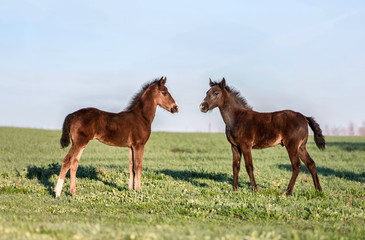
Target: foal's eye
<point>164,93</point>
<point>216,93</point>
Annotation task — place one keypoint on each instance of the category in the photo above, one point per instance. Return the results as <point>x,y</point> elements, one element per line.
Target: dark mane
<point>137,97</point>
<point>237,96</point>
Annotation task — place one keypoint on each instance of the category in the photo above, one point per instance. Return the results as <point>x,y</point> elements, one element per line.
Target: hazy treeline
<point>350,130</point>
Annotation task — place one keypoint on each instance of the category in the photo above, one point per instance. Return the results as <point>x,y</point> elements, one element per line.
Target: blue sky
<point>59,56</point>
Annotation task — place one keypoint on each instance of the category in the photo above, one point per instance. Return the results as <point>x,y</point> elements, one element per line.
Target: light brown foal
<point>130,128</point>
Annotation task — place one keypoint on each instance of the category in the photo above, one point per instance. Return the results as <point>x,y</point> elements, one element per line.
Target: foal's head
<point>214,96</point>
<point>220,94</point>
<point>163,98</point>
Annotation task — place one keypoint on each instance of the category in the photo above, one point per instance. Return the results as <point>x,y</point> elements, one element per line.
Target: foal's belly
<point>117,140</point>
<point>265,143</point>
<point>113,143</point>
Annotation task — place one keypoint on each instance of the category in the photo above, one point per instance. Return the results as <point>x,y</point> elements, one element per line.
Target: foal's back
<point>270,129</point>
<point>116,129</point>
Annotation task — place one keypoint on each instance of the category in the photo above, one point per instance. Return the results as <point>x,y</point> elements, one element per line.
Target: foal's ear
<point>222,84</point>
<point>211,84</point>
<point>162,81</point>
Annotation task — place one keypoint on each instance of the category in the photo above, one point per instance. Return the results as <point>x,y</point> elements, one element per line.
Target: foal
<point>247,129</point>
<point>130,128</point>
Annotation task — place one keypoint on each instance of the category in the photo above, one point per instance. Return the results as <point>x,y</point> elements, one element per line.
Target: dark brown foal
<point>130,128</point>
<point>247,129</point>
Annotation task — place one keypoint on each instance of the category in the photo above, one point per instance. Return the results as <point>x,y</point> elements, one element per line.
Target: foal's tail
<point>65,138</point>
<point>318,136</point>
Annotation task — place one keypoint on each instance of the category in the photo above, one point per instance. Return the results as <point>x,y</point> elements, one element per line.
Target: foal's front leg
<point>138,158</point>
<point>135,166</point>
<point>236,152</point>
<point>247,155</point>
<point>131,168</point>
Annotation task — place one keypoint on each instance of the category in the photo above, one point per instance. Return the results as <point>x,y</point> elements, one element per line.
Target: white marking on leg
<point>58,187</point>
<point>131,181</point>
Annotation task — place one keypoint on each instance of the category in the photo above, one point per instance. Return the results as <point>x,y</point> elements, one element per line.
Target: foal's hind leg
<point>74,165</point>
<point>66,165</point>
<point>71,160</point>
<point>295,164</point>
<point>311,166</point>
<point>64,169</point>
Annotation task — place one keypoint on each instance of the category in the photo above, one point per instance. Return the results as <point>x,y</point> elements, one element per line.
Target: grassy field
<point>186,191</point>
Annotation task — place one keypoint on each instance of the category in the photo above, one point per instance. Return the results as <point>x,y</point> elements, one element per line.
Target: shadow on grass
<point>44,173</point>
<point>330,172</point>
<point>192,176</point>
<point>347,146</point>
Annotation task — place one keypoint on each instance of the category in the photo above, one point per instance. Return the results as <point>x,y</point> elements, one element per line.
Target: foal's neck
<point>228,110</point>
<point>227,115</point>
<point>147,108</point>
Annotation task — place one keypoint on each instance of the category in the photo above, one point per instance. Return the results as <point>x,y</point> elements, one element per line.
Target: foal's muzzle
<point>204,107</point>
<point>174,109</point>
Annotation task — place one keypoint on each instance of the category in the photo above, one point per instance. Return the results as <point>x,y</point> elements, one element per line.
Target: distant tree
<point>335,131</point>
<point>327,130</point>
<point>351,129</point>
<point>362,129</point>
<point>338,131</point>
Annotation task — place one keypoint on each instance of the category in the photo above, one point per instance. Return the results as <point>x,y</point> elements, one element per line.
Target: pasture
<point>186,191</point>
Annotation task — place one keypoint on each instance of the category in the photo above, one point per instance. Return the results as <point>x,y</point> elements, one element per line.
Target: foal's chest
<point>231,137</point>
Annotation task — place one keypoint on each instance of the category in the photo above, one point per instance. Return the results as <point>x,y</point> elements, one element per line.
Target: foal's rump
<point>83,122</point>
<point>291,122</point>
<point>281,127</point>
<point>294,125</point>
<point>274,128</point>
<point>110,128</point>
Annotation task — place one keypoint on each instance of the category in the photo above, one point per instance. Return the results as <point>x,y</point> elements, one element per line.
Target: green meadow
<point>186,191</point>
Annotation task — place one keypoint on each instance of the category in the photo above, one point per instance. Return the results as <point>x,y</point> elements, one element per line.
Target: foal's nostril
<point>175,109</point>
<point>204,107</point>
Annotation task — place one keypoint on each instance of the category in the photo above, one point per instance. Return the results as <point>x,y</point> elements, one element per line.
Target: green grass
<point>186,191</point>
